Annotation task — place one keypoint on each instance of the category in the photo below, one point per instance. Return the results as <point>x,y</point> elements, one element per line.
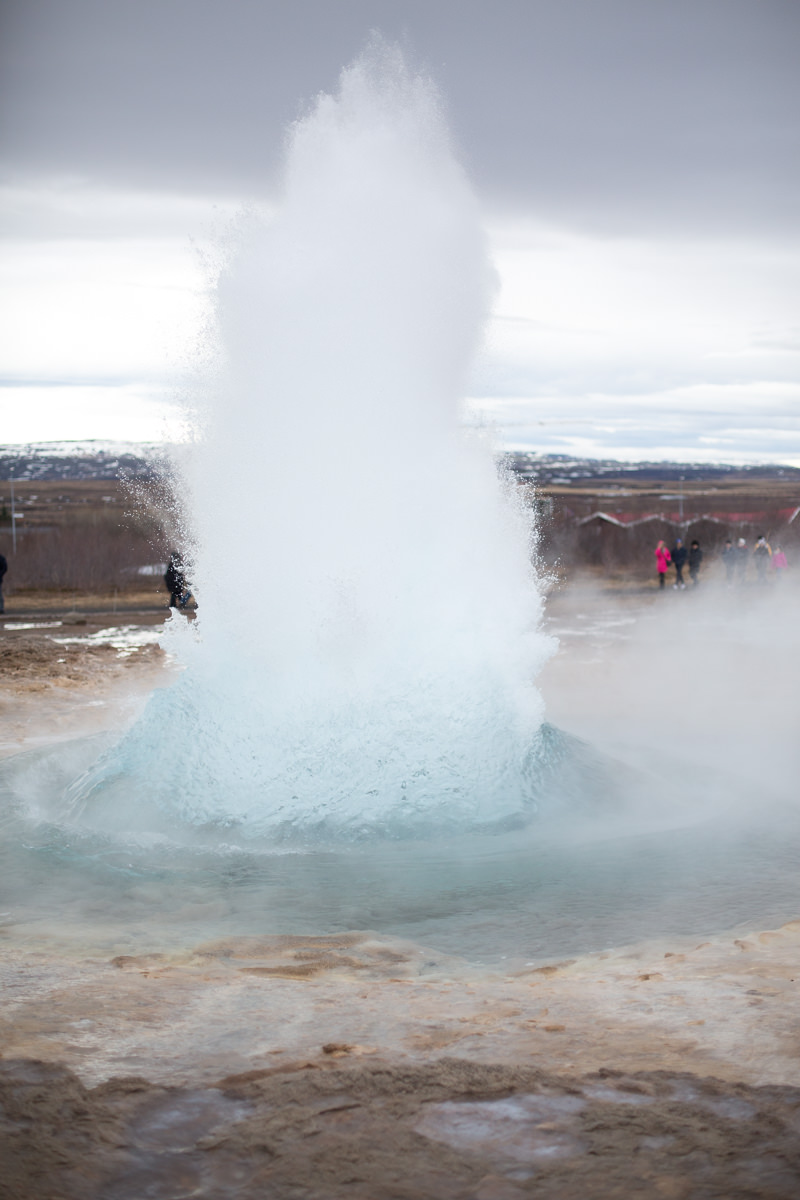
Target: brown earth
<point>51,688</point>
<point>450,1130</point>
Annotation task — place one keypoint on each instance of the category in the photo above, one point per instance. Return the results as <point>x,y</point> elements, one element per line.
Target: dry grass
<point>86,537</point>
<point>42,600</point>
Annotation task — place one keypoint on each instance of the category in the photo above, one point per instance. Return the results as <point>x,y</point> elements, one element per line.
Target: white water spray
<point>367,640</point>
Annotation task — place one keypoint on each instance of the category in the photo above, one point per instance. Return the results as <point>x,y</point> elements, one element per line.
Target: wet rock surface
<point>58,681</point>
<point>451,1129</point>
<point>725,1008</point>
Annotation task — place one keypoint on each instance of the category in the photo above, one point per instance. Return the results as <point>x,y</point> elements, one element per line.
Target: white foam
<point>367,636</point>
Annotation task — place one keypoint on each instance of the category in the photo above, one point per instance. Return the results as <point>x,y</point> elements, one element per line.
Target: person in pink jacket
<point>779,563</point>
<point>663,559</point>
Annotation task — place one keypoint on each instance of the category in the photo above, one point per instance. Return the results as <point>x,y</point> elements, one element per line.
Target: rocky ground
<point>353,1065</point>
<point>64,671</point>
<point>447,1130</point>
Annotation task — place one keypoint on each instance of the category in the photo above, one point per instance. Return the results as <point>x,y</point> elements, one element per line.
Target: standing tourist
<point>729,559</point>
<point>742,555</point>
<point>175,579</point>
<point>695,558</point>
<point>3,569</point>
<point>762,553</point>
<point>663,559</point>
<point>779,564</point>
<point>679,556</point>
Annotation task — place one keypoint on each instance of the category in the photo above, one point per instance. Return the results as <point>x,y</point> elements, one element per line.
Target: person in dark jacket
<point>679,555</point>
<point>3,569</point>
<point>174,577</point>
<point>695,558</point>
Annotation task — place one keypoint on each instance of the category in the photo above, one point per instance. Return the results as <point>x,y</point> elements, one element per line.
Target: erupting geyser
<point>367,640</point>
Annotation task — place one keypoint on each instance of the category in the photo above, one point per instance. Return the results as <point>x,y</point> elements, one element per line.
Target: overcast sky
<point>636,162</point>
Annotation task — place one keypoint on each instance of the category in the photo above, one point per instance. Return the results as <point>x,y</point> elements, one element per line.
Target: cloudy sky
<point>636,161</point>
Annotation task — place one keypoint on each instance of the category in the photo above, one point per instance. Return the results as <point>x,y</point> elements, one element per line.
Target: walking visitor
<point>779,564</point>
<point>762,553</point>
<point>663,559</point>
<point>679,556</point>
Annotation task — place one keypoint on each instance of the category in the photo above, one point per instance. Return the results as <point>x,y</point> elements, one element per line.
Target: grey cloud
<point>624,374</point>
<point>68,210</point>
<point>700,421</point>
<point>612,114</point>
<point>639,438</point>
<point>789,345</point>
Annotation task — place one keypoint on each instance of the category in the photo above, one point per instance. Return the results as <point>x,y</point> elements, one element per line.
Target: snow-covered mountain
<point>111,460</point>
<point>80,460</point>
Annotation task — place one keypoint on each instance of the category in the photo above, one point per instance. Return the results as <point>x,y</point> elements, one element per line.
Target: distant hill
<point>559,470</point>
<point>80,460</point>
<point>115,460</point>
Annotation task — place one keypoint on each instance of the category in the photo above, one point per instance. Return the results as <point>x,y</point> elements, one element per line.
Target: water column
<point>367,640</point>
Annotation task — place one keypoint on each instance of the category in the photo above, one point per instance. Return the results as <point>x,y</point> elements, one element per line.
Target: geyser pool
<point>367,641</point>
<point>708,840</point>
